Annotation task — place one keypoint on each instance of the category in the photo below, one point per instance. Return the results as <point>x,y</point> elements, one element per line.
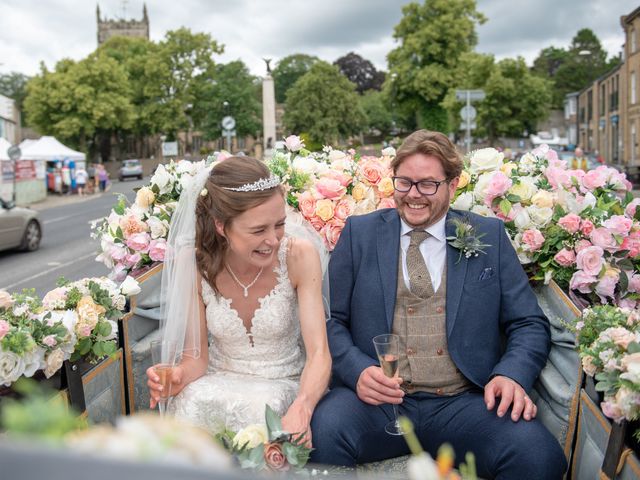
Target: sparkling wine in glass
<point>387,349</point>
<point>163,356</point>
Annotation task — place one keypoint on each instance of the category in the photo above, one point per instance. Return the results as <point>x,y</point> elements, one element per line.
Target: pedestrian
<point>103,177</point>
<point>81,179</point>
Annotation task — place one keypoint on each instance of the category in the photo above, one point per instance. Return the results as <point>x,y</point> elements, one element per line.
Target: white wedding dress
<point>241,379</point>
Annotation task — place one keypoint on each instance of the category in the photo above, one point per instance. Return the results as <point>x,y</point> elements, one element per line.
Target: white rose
<point>130,286</point>
<point>589,200</point>
<point>159,228</point>
<point>305,164</point>
<point>185,166</point>
<point>483,210</point>
<point>113,221</point>
<point>522,220</point>
<point>388,152</point>
<point>11,367</point>
<point>464,201</point>
<point>365,206</point>
<point>485,160</point>
<point>540,217</point>
<point>481,186</point>
<point>162,179</point>
<point>252,435</point>
<point>528,162</point>
<point>422,467</point>
<point>293,143</point>
<point>335,155</point>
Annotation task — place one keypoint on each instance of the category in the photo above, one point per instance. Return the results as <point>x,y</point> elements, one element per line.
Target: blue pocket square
<point>486,273</point>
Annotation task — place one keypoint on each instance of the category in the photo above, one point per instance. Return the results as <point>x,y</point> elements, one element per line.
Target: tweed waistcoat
<point>425,364</point>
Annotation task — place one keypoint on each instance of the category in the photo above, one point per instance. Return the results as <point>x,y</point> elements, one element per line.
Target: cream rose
<point>359,192</point>
<point>485,160</point>
<point>53,362</point>
<point>385,187</point>
<point>465,178</point>
<point>542,199</point>
<point>145,197</point>
<point>324,209</point>
<point>5,299</point>
<point>540,217</point>
<point>507,168</point>
<point>11,367</point>
<point>464,201</point>
<point>252,436</point>
<point>526,189</point>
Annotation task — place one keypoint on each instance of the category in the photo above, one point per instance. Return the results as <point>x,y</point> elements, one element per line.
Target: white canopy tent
<point>49,148</point>
<point>4,146</point>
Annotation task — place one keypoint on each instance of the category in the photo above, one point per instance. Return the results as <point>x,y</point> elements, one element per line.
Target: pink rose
<point>606,287</point>
<point>131,225</point>
<point>293,143</point>
<point>343,209</point>
<point>603,238</point>
<point>634,283</point>
<point>582,282</point>
<point>50,341</point>
<point>565,257</point>
<point>630,210</point>
<point>132,260</point>
<point>344,179</point>
<point>618,224</point>
<point>570,222</point>
<point>139,242</point>
<point>631,243</point>
<point>387,203</point>
<point>594,179</point>
<point>498,186</point>
<point>533,239</point>
<point>119,272</point>
<point>372,171</point>
<point>316,222</point>
<point>621,336</point>
<point>157,250</point>
<point>586,227</point>
<point>557,177</point>
<point>4,328</point>
<point>581,245</point>
<point>307,203</point>
<point>590,260</point>
<point>627,303</point>
<point>612,410</point>
<point>117,252</point>
<point>330,188</point>
<point>331,232</point>
<point>275,458</point>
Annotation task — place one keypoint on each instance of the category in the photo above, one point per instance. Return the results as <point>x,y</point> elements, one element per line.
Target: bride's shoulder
<point>301,255</point>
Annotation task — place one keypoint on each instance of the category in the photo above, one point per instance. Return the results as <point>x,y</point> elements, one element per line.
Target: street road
<point>67,248</point>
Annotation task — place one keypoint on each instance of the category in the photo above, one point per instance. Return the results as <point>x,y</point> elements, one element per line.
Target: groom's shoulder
<point>478,221</point>
<point>374,218</point>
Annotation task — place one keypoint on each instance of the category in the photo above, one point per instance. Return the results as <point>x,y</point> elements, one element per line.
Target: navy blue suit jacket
<point>494,324</point>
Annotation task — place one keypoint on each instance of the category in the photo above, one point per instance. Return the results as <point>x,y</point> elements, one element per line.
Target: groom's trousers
<point>347,431</point>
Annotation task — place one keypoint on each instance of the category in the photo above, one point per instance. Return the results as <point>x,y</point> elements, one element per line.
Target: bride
<point>243,300</point>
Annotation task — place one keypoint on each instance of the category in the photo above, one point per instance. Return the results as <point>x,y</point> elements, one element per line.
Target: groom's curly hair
<point>435,144</point>
<point>225,205</point>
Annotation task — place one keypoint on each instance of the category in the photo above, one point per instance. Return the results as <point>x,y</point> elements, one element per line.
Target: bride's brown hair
<point>218,203</point>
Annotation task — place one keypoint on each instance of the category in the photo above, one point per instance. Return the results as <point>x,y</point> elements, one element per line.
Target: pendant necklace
<point>244,287</point>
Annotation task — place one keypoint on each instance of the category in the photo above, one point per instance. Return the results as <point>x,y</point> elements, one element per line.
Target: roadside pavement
<point>58,200</point>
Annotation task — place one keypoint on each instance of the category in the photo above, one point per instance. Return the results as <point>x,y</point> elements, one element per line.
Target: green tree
<point>360,71</point>
<point>288,70</point>
<point>377,112</point>
<point>432,35</point>
<point>324,105</point>
<point>13,85</point>
<point>81,103</point>
<point>234,85</point>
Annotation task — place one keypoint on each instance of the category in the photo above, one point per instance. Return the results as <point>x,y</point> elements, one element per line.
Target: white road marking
<point>57,219</point>
<point>53,264</point>
<point>46,272</point>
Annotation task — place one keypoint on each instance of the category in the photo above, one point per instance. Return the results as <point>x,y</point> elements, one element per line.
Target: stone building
<point>631,94</point>
<point>121,27</point>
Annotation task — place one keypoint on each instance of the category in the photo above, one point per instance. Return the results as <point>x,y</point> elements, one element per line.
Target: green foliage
<point>433,36</point>
<point>13,85</point>
<point>376,109</point>
<point>287,72</point>
<point>360,71</point>
<point>324,104</point>
<point>236,86</point>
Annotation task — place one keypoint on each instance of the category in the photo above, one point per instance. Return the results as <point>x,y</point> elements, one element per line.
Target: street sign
<point>169,149</point>
<point>14,153</point>
<point>471,126</point>
<point>228,123</point>
<point>472,95</point>
<point>468,113</point>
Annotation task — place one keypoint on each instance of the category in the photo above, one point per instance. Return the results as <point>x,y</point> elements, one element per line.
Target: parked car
<point>19,227</point>
<point>130,168</point>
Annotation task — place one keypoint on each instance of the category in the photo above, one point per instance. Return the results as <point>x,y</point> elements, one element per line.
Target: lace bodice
<point>277,348</point>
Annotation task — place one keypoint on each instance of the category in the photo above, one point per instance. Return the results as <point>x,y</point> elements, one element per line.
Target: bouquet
<point>268,446</point>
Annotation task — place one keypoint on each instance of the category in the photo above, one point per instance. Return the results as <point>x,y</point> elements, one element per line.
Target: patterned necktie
<point>419,277</point>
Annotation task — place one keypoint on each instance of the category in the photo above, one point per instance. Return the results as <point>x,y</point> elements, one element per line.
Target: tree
<point>236,87</point>
<point>13,85</point>
<point>288,71</point>
<point>432,37</point>
<point>361,72</point>
<point>377,112</point>
<point>80,103</point>
<point>324,105</point>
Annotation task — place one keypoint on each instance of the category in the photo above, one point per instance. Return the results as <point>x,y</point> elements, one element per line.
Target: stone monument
<point>268,111</point>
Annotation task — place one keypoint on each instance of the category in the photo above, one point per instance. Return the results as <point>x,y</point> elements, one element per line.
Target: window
<point>633,87</point>
<point>602,99</point>
<point>632,37</point>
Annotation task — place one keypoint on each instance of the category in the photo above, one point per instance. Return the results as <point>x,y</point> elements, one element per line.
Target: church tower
<point>121,27</point>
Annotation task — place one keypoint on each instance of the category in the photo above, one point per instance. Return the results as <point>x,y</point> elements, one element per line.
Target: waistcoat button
<point>440,351</point>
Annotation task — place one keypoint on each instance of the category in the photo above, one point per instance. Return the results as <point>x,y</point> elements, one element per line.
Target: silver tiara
<point>262,184</point>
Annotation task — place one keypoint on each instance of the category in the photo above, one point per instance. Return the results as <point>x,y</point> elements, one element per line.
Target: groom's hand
<point>375,388</point>
<point>510,393</point>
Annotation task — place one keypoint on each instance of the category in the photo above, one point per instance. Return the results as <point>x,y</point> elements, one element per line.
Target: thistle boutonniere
<point>466,240</point>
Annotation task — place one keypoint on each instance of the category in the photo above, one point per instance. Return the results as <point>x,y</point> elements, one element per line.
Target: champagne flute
<point>387,349</point>
<point>163,357</point>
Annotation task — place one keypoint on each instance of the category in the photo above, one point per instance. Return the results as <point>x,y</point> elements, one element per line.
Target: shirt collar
<point>437,230</point>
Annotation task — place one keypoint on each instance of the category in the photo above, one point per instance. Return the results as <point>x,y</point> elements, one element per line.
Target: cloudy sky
<point>32,31</point>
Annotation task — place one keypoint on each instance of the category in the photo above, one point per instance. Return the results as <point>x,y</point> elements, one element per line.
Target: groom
<point>472,336</point>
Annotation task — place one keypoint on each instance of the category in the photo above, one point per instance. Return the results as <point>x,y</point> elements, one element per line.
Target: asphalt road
<point>67,248</point>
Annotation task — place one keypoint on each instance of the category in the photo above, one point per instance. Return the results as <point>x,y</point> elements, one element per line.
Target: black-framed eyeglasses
<point>425,187</point>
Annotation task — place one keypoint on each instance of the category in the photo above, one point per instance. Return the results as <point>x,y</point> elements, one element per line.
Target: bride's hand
<point>298,420</point>
<point>155,387</point>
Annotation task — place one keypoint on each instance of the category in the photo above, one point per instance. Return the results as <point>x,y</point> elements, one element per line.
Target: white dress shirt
<point>433,250</point>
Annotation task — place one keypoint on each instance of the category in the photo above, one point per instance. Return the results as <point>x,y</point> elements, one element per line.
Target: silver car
<point>19,227</point>
<point>130,168</point>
